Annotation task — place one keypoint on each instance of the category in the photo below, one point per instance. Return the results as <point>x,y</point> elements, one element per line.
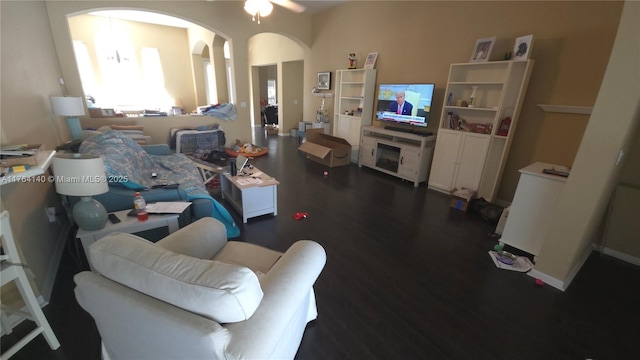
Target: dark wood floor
<point>406,278</point>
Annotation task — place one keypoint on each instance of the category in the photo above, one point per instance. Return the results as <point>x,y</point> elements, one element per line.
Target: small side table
<point>128,224</point>
<point>249,198</point>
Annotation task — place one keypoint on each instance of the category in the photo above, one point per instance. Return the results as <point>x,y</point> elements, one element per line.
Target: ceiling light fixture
<point>259,8</point>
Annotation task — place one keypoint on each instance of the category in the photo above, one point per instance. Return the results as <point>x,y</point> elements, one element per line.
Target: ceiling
<point>312,7</point>
<point>318,6</point>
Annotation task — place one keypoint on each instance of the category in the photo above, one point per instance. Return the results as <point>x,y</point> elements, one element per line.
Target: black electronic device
<point>416,102</point>
<point>113,218</point>
<point>165,186</point>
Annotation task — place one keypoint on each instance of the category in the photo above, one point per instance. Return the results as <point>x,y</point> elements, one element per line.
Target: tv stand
<point>408,131</point>
<point>399,153</point>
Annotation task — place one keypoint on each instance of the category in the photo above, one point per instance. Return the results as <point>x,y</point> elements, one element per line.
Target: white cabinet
<point>353,108</point>
<point>405,155</point>
<point>348,128</point>
<point>473,141</point>
<point>460,157</point>
<point>531,210</point>
<point>367,151</point>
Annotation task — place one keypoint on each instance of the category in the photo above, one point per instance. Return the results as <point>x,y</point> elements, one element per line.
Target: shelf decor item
<point>370,63</point>
<point>352,61</point>
<point>324,80</point>
<point>482,50</point>
<point>522,48</point>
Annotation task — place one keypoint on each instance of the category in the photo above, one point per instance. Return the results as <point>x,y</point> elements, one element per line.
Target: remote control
<point>113,218</point>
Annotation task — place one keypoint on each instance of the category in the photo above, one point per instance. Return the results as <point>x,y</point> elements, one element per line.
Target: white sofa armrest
<point>285,287</point>
<point>201,239</point>
<point>122,314</point>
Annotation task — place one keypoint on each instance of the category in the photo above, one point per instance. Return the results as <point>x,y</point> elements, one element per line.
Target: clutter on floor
<point>246,149</point>
<point>508,261</point>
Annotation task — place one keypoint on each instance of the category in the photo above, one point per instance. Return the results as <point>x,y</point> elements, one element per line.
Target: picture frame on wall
<point>370,63</point>
<point>482,50</point>
<point>522,47</point>
<point>324,80</point>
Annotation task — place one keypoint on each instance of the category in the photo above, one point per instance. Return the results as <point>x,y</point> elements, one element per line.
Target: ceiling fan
<point>261,8</point>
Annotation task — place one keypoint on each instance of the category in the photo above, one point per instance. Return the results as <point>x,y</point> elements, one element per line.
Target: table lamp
<point>71,107</point>
<point>82,175</point>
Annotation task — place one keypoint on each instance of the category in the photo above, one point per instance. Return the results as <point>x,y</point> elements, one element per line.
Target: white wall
<point>611,128</point>
<point>30,74</point>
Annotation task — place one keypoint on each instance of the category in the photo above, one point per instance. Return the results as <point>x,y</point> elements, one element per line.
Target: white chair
<point>195,295</point>
<point>12,269</point>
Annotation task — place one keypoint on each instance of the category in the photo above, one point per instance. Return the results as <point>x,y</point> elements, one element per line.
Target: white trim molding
<point>568,109</point>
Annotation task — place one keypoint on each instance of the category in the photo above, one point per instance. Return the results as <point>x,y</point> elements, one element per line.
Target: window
<point>227,63</point>
<point>85,68</point>
<point>125,65</point>
<point>210,87</point>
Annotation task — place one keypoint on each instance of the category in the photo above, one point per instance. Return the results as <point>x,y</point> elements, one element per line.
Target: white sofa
<point>193,295</point>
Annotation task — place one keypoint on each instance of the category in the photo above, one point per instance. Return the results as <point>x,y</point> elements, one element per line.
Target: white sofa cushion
<point>222,292</point>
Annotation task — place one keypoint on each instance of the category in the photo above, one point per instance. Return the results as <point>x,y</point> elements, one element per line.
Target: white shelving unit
<point>43,160</point>
<point>472,153</point>
<point>353,107</point>
<point>401,154</point>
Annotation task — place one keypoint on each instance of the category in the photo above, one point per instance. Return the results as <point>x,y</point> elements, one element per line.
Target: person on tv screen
<point>400,106</point>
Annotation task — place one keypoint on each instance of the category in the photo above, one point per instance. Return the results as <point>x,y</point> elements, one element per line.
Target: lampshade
<point>79,174</point>
<point>82,175</point>
<point>67,106</point>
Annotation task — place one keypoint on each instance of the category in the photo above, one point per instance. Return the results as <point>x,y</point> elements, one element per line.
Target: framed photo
<point>324,80</point>
<point>370,63</point>
<point>522,48</point>
<point>482,50</point>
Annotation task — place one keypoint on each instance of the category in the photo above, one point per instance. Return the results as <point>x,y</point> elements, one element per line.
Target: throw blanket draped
<point>124,158</point>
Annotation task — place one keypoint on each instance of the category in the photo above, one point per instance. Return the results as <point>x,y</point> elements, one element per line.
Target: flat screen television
<point>415,109</point>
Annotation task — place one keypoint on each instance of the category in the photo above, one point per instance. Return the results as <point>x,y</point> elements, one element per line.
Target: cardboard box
<point>27,159</point>
<point>460,199</point>
<point>326,149</point>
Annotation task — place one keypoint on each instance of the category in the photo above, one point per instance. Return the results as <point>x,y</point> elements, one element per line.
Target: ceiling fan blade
<point>291,5</point>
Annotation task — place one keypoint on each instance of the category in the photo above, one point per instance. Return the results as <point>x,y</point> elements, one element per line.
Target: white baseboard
<point>54,262</point>
<point>561,285</point>
<point>549,280</point>
<point>505,204</point>
<point>617,254</point>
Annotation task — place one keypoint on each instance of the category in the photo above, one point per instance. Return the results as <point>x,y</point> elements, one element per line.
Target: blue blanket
<point>125,159</point>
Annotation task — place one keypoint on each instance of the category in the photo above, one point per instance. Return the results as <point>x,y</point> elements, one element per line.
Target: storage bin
<point>188,141</point>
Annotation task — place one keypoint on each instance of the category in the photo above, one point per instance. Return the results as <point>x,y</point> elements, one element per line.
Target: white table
<point>251,200</point>
<point>128,224</point>
<point>532,208</point>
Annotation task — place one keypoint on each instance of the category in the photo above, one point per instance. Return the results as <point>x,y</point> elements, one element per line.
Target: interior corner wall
<point>218,62</point>
<point>292,96</point>
<point>199,39</point>
<point>596,170</point>
<point>30,71</point>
